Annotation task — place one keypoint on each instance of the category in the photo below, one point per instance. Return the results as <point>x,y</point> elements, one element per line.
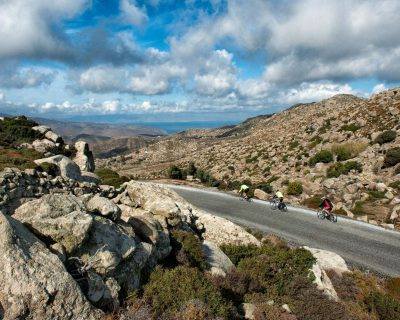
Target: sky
<point>157,58</point>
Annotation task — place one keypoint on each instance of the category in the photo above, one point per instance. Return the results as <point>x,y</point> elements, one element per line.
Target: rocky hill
<point>73,247</point>
<point>345,147</point>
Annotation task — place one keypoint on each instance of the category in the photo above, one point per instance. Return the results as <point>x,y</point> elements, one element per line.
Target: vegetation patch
<point>386,137</point>
<point>18,130</point>
<point>168,291</point>
<point>187,249</point>
<point>313,202</point>
<point>110,177</point>
<point>339,168</point>
<point>348,150</point>
<point>294,188</point>
<point>18,158</point>
<point>324,156</point>
<point>352,127</point>
<point>392,157</point>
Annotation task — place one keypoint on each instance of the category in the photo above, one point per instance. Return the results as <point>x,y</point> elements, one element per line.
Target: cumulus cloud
<point>132,14</point>
<point>29,28</point>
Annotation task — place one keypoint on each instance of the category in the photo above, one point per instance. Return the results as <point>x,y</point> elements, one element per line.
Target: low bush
<point>295,188</point>
<point>187,249</point>
<point>314,141</point>
<point>313,202</point>
<point>340,168</point>
<point>191,169</point>
<point>110,177</point>
<point>358,208</point>
<point>271,273</point>
<point>348,150</point>
<point>266,187</point>
<point>236,253</point>
<point>293,145</point>
<point>386,137</point>
<point>204,177</point>
<point>392,157</point>
<point>168,291</point>
<point>393,287</point>
<point>309,303</point>
<point>175,172</point>
<point>385,306</point>
<point>352,127</point>
<point>324,156</point>
<point>272,179</point>
<point>264,311</point>
<point>14,131</point>
<point>375,194</point>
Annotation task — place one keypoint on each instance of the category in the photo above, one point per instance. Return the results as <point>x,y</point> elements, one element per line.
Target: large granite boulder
<point>34,283</point>
<point>68,168</point>
<point>219,262</point>
<point>44,145</point>
<point>60,217</point>
<point>84,157</point>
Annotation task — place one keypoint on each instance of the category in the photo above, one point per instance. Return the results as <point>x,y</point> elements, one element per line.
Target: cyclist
<point>279,195</point>
<point>326,205</point>
<point>244,189</point>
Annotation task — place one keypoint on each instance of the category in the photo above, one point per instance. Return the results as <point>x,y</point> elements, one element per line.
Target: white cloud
<point>28,27</point>
<point>132,14</point>
<point>379,88</point>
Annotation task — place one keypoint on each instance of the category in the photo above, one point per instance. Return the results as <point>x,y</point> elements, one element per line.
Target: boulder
<point>248,310</point>
<point>60,217</point>
<point>34,283</point>
<point>43,145</point>
<point>41,129</point>
<point>68,168</point>
<point>219,262</point>
<point>260,194</point>
<point>84,157</point>
<point>53,137</point>
<point>148,229</point>
<point>103,206</point>
<point>329,260</point>
<point>107,246</point>
<point>323,282</point>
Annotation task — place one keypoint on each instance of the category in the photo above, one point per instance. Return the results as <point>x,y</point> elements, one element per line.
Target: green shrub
<point>14,131</point>
<point>204,176</point>
<point>324,156</point>
<point>375,194</point>
<point>236,253</point>
<point>191,169</point>
<point>392,157</point>
<point>272,272</point>
<point>393,287</point>
<point>386,307</point>
<point>266,187</point>
<point>340,168</point>
<point>168,291</point>
<point>175,172</point>
<point>272,179</point>
<point>110,177</point>
<point>352,127</point>
<point>348,150</point>
<point>285,158</point>
<point>395,185</point>
<point>187,249</point>
<point>386,137</point>
<point>295,188</point>
<point>358,209</point>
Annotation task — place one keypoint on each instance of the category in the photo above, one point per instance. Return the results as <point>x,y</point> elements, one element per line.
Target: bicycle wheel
<point>321,215</point>
<point>274,205</point>
<point>284,207</point>
<point>333,217</point>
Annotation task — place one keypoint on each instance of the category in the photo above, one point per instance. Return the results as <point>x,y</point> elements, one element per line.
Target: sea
<point>179,126</point>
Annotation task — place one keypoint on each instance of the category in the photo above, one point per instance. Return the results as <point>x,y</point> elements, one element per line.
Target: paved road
<point>369,246</point>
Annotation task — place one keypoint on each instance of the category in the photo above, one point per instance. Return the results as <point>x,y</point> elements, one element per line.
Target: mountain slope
<point>287,147</point>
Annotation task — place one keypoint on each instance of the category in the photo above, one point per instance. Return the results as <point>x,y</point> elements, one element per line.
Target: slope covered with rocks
<point>345,147</point>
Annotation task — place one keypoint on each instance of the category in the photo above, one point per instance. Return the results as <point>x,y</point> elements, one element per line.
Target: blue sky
<point>70,58</point>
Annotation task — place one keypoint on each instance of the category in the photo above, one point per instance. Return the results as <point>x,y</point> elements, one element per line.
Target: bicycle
<point>243,197</point>
<point>325,214</point>
<point>275,204</point>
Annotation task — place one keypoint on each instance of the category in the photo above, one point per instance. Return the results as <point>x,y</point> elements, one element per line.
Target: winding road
<point>359,243</point>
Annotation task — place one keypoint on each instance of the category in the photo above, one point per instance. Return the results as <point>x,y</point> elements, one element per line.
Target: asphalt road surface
<point>362,244</point>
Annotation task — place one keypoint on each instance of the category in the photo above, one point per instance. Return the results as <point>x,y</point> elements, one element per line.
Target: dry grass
<point>348,150</point>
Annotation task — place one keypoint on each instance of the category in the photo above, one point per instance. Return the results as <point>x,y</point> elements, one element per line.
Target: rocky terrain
<point>345,147</point>
<point>74,248</point>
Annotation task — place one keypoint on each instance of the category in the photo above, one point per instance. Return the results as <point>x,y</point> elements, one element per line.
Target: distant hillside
<point>346,147</point>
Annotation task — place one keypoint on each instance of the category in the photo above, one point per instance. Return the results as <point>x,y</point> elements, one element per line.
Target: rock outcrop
<point>34,283</point>
<point>68,168</point>
<point>84,157</point>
